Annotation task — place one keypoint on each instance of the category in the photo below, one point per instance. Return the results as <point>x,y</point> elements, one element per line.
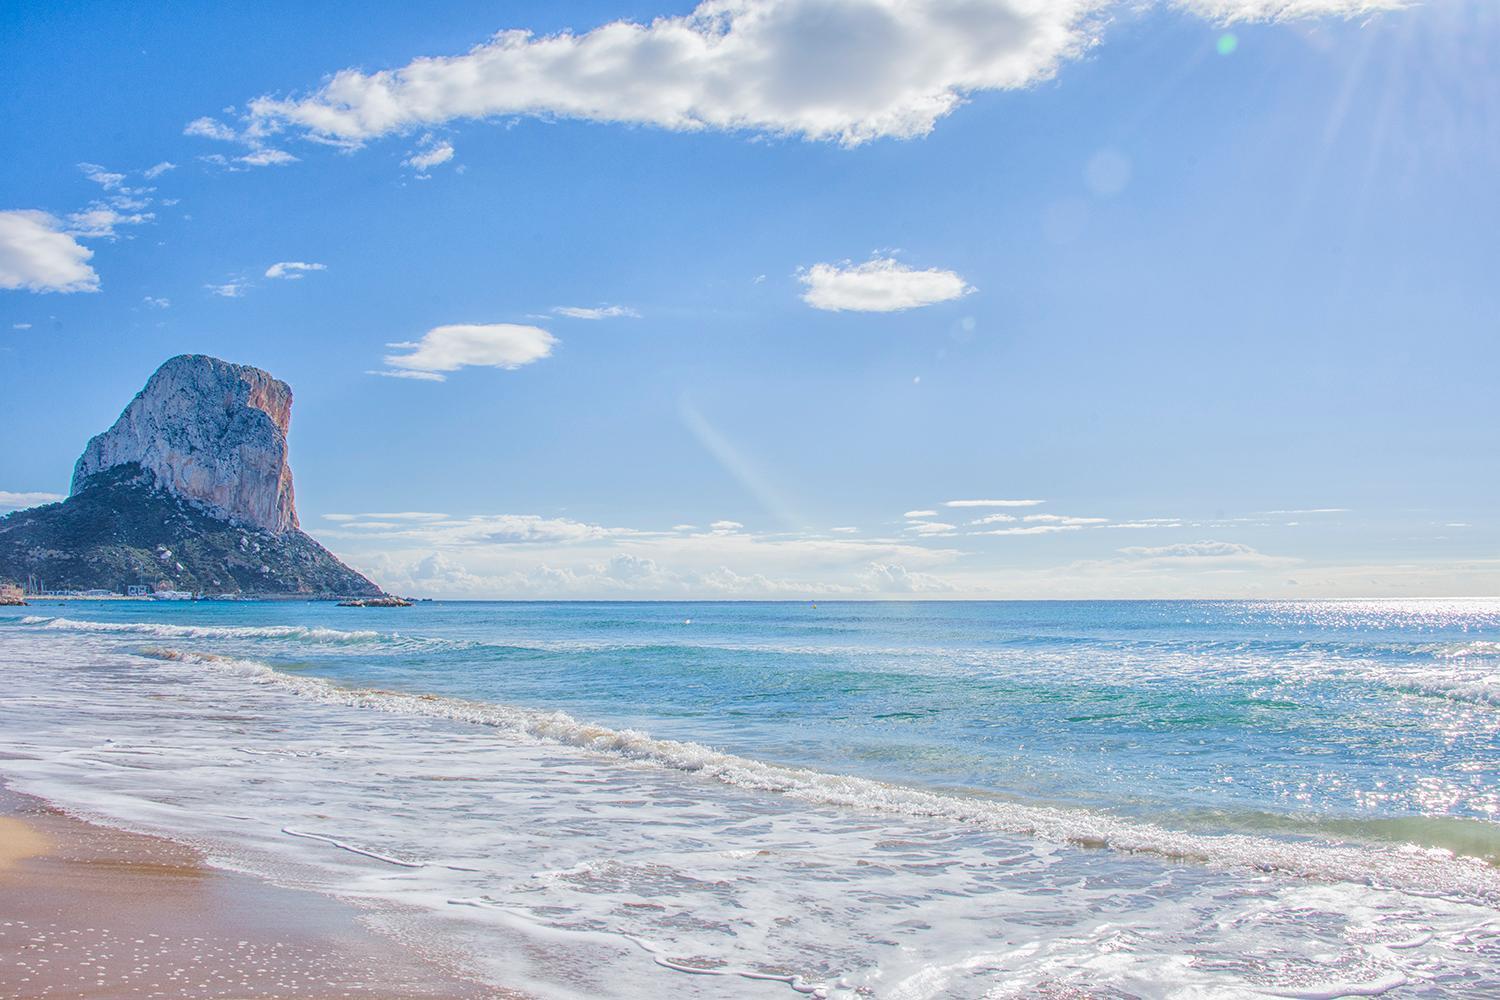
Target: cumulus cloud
<point>449,348</point>
<point>993,503</point>
<point>37,254</point>
<point>881,285</point>
<point>292,270</point>
<point>600,312</point>
<point>524,555</point>
<point>157,302</point>
<point>20,501</point>
<point>847,72</point>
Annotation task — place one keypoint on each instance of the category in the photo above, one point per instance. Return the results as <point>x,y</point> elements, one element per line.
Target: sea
<point>1183,799</point>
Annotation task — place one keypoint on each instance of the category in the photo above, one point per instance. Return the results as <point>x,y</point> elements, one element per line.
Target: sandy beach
<point>94,913</point>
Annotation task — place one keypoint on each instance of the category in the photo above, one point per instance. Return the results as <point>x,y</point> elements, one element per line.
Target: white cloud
<point>1033,529</point>
<point>449,348</point>
<point>919,513</point>
<point>1308,510</point>
<point>993,503</point>
<point>881,285</point>
<point>98,221</point>
<point>151,173</point>
<point>37,255</point>
<point>104,178</point>
<point>1064,519</point>
<point>534,556</point>
<point>994,519</point>
<point>725,527</point>
<point>848,72</point>
<point>601,312</point>
<point>157,303</point>
<point>266,158</point>
<point>925,528</point>
<point>20,501</point>
<point>419,376</point>
<point>210,128</point>
<point>228,290</point>
<point>1229,11</point>
<point>20,326</point>
<point>1217,552</point>
<point>430,153</point>
<point>292,270</point>
<point>846,529</point>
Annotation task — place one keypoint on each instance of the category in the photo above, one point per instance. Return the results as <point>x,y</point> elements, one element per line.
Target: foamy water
<point>885,800</point>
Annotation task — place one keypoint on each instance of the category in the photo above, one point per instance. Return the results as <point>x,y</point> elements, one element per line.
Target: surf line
<point>658,955</point>
<point>352,849</point>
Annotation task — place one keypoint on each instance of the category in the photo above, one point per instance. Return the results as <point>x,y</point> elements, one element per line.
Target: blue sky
<point>1212,281</point>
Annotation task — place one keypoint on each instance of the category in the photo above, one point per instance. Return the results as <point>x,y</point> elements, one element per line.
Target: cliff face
<point>210,432</point>
<point>189,489</point>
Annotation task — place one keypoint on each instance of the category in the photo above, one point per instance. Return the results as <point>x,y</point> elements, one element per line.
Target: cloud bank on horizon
<point>848,73</point>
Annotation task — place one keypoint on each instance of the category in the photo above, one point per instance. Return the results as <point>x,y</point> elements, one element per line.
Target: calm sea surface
<point>1192,799</point>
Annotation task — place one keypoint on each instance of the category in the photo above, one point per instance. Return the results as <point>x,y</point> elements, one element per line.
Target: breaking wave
<point>1410,868</point>
<point>162,630</point>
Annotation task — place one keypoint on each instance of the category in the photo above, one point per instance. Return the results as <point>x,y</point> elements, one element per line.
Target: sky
<point>790,299</point>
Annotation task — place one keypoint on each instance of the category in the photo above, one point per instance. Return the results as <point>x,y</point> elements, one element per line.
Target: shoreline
<point>95,913</point>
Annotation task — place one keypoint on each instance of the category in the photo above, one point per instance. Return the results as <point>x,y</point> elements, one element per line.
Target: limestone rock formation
<point>207,431</point>
<point>189,490</point>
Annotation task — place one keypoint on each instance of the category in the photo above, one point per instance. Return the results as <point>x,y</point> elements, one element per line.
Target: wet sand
<point>90,913</point>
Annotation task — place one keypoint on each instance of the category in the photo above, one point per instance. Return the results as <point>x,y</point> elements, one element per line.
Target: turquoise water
<point>1284,737</point>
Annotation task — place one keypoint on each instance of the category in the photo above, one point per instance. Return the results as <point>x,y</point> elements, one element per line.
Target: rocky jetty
<point>376,602</point>
<point>189,490</point>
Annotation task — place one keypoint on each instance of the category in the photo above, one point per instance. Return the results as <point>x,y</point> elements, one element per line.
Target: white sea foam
<point>1423,871</point>
<point>163,630</point>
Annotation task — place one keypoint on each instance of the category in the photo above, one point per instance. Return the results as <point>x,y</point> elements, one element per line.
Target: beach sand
<point>90,913</point>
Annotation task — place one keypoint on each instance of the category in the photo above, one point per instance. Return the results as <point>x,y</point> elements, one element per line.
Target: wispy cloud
<point>229,289</point>
<point>151,173</point>
<point>920,513</point>
<point>430,152</point>
<point>993,503</point>
<point>156,302</point>
<point>1032,529</point>
<point>292,270</point>
<point>449,348</point>
<point>595,312</point>
<point>881,285</point>
<point>107,179</point>
<point>1065,519</point>
<point>1206,552</point>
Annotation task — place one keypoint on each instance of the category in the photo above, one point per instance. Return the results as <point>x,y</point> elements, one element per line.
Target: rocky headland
<point>189,490</point>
